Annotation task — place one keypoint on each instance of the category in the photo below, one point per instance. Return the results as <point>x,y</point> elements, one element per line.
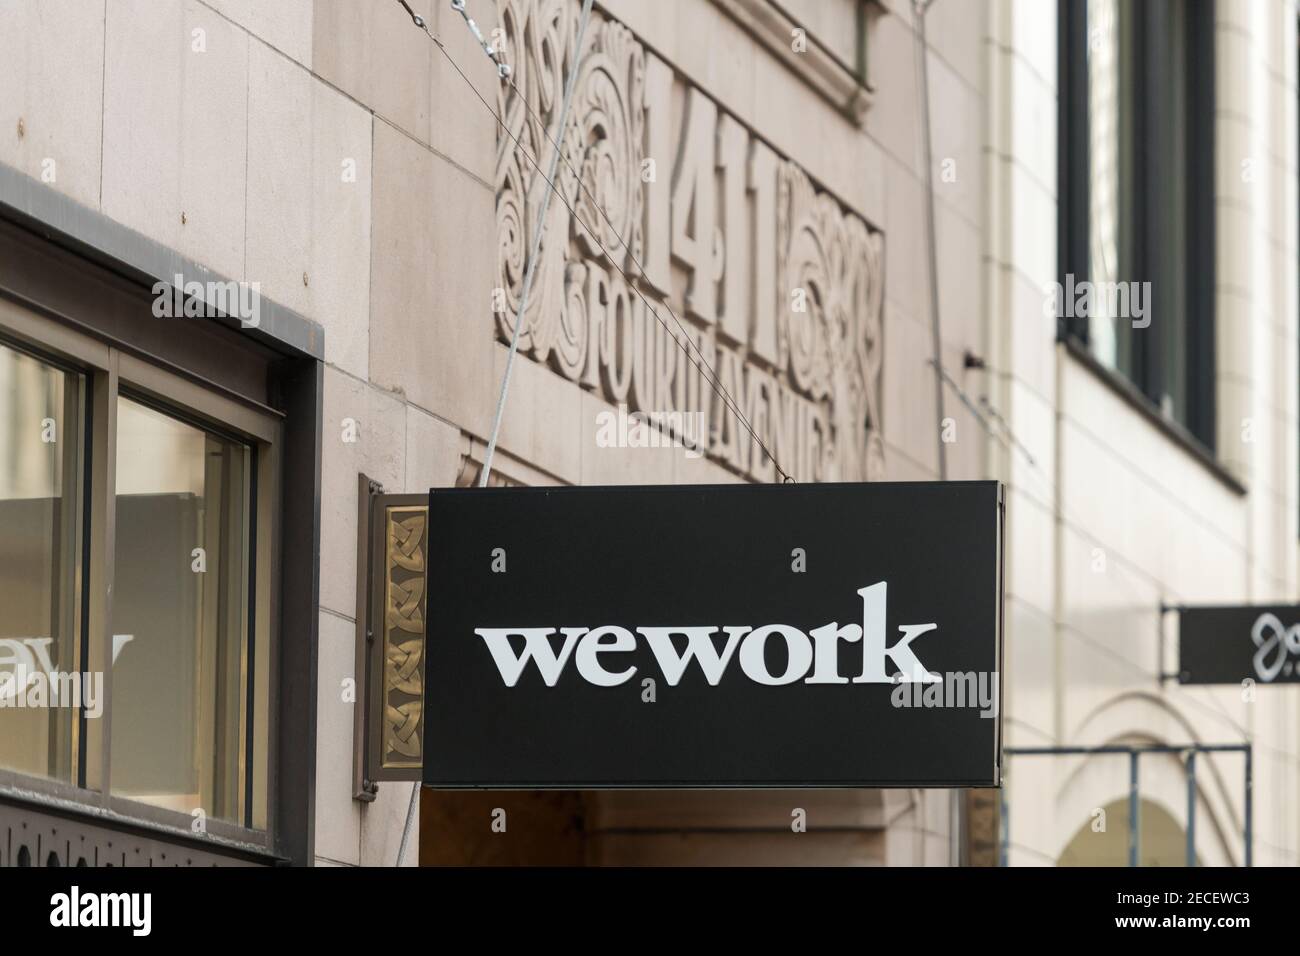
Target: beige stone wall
<point>244,136</point>
<point>326,150</point>
<point>1115,517</point>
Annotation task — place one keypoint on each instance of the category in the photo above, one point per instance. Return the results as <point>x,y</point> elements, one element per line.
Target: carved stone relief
<point>681,246</point>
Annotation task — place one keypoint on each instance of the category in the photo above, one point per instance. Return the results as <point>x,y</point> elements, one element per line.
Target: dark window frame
<point>1156,359</point>
<point>76,292</point>
<point>108,374</point>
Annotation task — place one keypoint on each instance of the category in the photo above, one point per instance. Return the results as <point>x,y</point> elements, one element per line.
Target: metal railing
<point>1134,752</point>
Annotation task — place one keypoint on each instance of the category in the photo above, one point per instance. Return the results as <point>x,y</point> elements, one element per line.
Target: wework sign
<point>1227,645</point>
<point>714,636</point>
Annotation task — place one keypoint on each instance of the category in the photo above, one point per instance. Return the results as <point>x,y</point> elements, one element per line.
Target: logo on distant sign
<point>1275,646</point>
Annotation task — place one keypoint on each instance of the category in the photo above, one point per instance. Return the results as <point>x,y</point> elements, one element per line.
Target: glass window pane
<point>41,474</point>
<point>1103,168</point>
<point>180,614</point>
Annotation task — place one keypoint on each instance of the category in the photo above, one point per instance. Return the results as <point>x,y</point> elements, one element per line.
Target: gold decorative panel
<point>393,541</point>
<point>402,639</point>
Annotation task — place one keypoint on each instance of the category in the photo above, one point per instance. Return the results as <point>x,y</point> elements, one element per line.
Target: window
<point>1136,241</point>
<point>41,488</point>
<point>135,569</point>
<point>180,612</point>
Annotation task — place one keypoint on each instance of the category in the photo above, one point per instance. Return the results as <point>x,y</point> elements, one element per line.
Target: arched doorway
<point>1161,839</point>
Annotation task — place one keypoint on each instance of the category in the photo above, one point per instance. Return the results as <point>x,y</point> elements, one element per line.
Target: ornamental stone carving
<point>681,246</point>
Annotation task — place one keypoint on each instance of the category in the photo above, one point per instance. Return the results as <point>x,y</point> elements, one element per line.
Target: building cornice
<point>68,223</point>
<point>847,87</point>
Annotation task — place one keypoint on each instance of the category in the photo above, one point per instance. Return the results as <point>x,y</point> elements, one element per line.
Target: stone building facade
<point>741,203</point>
<point>1129,505</point>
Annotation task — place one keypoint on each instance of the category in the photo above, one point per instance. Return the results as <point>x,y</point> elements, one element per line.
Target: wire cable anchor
<point>503,68</point>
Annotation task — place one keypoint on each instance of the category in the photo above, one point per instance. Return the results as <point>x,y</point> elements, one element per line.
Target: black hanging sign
<point>1230,644</point>
<point>819,635</point>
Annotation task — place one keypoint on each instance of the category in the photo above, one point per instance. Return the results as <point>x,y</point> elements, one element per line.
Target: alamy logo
<point>1099,300</point>
<point>30,679</point>
<point>673,429</point>
<point>74,908</point>
<point>193,299</point>
<point>812,658</point>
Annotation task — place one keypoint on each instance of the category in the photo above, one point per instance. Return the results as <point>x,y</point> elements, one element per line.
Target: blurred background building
<point>194,525</point>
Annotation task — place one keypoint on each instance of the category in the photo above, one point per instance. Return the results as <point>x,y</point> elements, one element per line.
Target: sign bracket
<point>388,679</point>
<point>1163,675</point>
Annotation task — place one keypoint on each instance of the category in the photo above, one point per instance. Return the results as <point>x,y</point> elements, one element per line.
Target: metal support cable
<point>685,341</point>
<point>1002,433</point>
<point>495,55</point>
<point>535,253</point>
<point>919,8</point>
<point>523,302</point>
<point>714,381</point>
<point>958,823</point>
